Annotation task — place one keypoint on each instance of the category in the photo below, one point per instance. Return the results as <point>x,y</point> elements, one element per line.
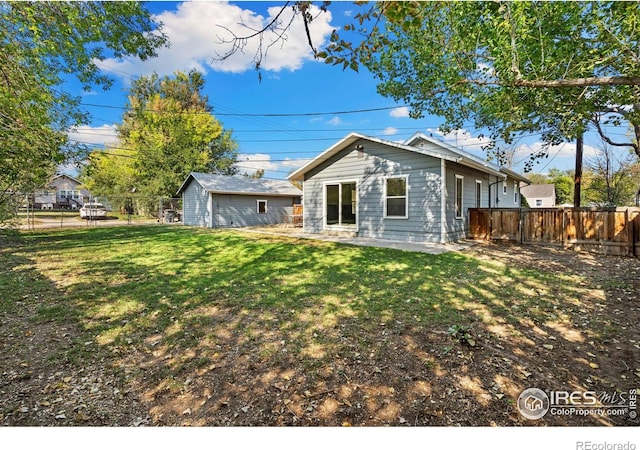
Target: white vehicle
<point>93,211</point>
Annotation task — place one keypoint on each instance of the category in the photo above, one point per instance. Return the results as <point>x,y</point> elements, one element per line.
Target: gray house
<point>62,192</point>
<point>419,190</point>
<point>234,201</point>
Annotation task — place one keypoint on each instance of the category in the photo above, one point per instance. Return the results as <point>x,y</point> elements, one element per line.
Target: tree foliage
<point>167,132</point>
<point>509,67</point>
<point>614,178</point>
<point>41,45</point>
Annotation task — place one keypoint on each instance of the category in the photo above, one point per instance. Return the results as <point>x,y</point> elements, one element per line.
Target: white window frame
<point>504,187</point>
<point>455,197</point>
<point>405,196</point>
<point>516,196</point>
<point>538,203</point>
<point>340,227</point>
<point>266,206</point>
<point>479,189</point>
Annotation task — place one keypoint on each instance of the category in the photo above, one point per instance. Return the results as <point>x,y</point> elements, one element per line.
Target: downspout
<point>490,197</point>
<point>443,201</point>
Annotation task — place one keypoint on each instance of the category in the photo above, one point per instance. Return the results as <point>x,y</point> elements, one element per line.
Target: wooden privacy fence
<point>611,231</point>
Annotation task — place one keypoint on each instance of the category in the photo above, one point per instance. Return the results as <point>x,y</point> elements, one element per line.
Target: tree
<point>508,67</point>
<point>563,182</point>
<point>614,178</point>
<point>167,132</point>
<point>256,175</point>
<point>41,45</point>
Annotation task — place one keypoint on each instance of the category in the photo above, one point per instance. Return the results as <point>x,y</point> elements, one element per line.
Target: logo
<point>533,403</point>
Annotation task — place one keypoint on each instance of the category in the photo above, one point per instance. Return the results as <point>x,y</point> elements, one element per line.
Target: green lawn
<point>178,302</point>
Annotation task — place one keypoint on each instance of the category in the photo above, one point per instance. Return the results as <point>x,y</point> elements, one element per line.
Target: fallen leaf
<point>548,346</point>
<point>593,365</point>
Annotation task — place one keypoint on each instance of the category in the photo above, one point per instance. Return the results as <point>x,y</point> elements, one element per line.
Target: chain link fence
<point>47,210</point>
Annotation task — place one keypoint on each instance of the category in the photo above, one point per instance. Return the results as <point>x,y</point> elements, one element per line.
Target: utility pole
<point>578,175</point>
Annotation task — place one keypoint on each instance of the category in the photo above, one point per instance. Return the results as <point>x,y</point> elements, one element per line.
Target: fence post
<point>634,226</point>
<point>521,224</point>
<point>564,227</point>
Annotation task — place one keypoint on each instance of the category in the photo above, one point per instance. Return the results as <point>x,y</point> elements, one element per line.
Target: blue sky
<point>292,83</point>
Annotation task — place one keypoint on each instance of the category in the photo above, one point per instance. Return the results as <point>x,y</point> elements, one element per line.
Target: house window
<point>538,203</point>
<point>504,188</point>
<point>262,207</point>
<point>340,204</point>
<point>68,194</point>
<point>478,194</point>
<point>395,198</point>
<point>458,196</point>
<point>516,194</point>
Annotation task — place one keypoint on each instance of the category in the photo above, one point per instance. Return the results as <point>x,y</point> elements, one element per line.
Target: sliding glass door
<point>340,204</point>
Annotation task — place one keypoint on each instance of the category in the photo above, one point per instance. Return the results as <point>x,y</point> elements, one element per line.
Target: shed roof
<point>538,191</point>
<point>241,185</point>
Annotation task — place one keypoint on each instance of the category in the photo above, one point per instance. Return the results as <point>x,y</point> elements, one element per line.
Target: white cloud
<point>461,138</point>
<point>197,31</point>
<point>335,121</point>
<point>400,112</point>
<point>250,163</point>
<point>294,163</point>
<point>389,131</point>
<point>104,135</point>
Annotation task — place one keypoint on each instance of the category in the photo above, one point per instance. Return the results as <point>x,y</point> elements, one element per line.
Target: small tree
<point>614,178</point>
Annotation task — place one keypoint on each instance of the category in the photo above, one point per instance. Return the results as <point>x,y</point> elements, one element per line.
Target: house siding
<point>369,168</point>
<point>241,210</point>
<point>196,206</point>
<point>457,228</point>
<point>506,200</point>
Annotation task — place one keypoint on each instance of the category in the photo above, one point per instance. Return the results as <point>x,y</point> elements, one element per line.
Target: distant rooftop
<point>538,191</point>
<point>241,185</point>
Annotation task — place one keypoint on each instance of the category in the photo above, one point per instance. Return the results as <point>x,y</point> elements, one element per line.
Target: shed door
<point>222,211</point>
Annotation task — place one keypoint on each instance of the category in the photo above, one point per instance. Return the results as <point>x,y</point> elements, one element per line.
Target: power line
<point>242,114</point>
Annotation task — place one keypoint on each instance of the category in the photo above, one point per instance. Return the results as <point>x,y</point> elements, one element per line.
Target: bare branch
<point>596,121</point>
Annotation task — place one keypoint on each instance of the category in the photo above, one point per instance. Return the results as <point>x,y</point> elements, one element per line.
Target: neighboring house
<point>236,201</point>
<point>62,192</point>
<point>419,190</point>
<point>539,195</point>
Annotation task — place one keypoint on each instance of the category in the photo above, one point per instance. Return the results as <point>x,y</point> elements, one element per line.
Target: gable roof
<point>64,175</point>
<point>442,150</point>
<point>538,191</point>
<point>241,185</point>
